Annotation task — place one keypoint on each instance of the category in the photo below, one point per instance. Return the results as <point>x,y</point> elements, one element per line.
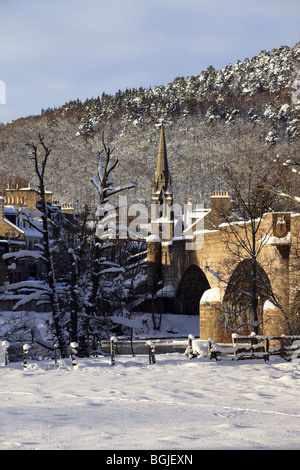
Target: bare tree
<point>40,169</point>
<point>248,286</point>
<point>101,265</point>
<point>292,193</point>
<point>78,261</point>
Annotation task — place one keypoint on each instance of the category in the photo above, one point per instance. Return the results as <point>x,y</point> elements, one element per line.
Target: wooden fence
<point>256,347</point>
<point>242,347</point>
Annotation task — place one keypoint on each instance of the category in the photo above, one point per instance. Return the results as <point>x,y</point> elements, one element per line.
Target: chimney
<point>1,207</point>
<point>220,206</point>
<point>220,201</point>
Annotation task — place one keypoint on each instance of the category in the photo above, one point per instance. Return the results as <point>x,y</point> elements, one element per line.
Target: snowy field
<point>172,404</point>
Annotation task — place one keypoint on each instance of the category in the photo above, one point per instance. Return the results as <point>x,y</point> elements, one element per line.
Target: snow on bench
<point>251,349</point>
<point>256,347</point>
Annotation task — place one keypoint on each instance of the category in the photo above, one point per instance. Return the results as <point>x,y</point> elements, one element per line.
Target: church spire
<point>162,195</point>
<point>162,160</point>
<point>162,184</point>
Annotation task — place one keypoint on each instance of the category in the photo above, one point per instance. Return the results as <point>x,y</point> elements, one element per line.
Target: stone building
<point>12,238</point>
<point>21,229</point>
<point>191,267</point>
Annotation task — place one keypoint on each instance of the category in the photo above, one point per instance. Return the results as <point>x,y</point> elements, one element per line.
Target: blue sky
<point>52,51</point>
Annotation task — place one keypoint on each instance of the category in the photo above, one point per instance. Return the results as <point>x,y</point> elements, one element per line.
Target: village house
<point>21,229</point>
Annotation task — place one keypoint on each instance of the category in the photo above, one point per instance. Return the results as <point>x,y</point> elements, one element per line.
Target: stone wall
<point>278,259</point>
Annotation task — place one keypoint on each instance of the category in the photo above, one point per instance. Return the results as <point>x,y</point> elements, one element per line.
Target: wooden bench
<point>248,348</point>
<point>256,347</point>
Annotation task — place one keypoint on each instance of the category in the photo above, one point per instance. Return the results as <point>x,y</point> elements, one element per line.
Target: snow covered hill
<point>213,118</point>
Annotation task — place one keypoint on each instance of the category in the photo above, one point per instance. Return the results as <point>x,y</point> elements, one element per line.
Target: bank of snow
<point>172,404</point>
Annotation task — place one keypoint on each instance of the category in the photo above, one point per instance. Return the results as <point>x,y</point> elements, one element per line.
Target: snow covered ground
<point>172,404</point>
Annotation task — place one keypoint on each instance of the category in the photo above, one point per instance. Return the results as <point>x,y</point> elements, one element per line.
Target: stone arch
<point>191,287</point>
<point>237,301</point>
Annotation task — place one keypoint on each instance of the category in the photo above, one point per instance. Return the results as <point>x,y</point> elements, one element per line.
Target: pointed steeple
<point>162,184</point>
<point>162,159</point>
<point>162,195</point>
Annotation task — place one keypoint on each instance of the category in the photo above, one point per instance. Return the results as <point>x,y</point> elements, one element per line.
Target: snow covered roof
<point>10,210</point>
<point>27,231</point>
<point>14,227</point>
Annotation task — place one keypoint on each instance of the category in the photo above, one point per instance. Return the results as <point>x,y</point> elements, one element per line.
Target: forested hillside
<point>246,111</point>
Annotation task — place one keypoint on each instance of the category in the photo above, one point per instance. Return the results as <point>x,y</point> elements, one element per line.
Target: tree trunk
<point>53,297</point>
<point>54,303</point>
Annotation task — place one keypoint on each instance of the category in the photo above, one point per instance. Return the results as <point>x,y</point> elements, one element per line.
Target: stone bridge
<point>206,269</point>
<point>201,279</point>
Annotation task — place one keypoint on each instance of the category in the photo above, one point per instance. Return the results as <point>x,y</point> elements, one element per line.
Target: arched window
<point>192,285</point>
<point>245,294</point>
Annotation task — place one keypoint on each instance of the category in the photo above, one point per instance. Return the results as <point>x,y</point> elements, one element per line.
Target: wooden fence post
<point>113,340</point>
<point>234,337</point>
<point>267,345</point>
<point>253,341</point>
<point>5,346</point>
<point>282,346</point>
<point>151,352</point>
<point>26,348</point>
<point>73,347</point>
<point>209,346</point>
<point>55,353</point>
<point>190,346</point>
